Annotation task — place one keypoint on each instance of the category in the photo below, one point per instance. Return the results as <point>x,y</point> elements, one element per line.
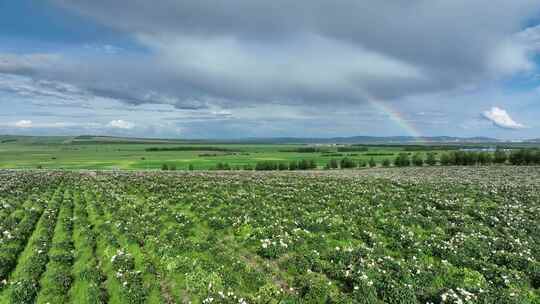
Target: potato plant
<point>393,235</point>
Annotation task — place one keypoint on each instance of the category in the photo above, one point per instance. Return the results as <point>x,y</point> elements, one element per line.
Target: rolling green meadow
<point>66,153</point>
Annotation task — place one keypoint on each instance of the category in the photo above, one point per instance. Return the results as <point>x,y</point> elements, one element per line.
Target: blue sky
<point>194,68</point>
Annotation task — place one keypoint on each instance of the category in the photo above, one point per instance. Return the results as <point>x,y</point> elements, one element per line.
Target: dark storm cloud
<point>449,33</point>
<point>241,52</point>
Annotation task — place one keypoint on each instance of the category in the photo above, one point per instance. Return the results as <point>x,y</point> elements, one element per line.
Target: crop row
<point>420,235</point>
<point>23,284</point>
<point>57,279</point>
<point>89,280</point>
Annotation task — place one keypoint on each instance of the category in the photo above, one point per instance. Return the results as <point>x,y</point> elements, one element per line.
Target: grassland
<point>132,154</point>
<point>413,235</point>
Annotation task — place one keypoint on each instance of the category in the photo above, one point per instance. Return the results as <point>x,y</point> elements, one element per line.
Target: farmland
<point>414,235</point>
<point>110,153</point>
<point>61,153</point>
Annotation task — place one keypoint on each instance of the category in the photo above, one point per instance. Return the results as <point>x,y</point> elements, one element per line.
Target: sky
<point>281,68</point>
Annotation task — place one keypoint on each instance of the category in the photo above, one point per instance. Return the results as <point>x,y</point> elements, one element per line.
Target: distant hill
<point>294,140</point>
<point>374,140</point>
<point>367,140</point>
<point>86,139</point>
<point>32,139</point>
<point>91,139</point>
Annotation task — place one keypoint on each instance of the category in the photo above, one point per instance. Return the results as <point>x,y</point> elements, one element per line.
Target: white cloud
<point>530,37</point>
<point>23,124</point>
<point>27,124</point>
<point>121,124</point>
<point>515,54</point>
<point>501,119</point>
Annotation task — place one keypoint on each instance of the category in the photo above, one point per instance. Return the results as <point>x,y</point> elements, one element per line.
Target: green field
<point>114,153</point>
<point>375,236</point>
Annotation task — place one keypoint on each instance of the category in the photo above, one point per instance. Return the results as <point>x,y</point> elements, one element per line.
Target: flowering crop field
<point>416,235</point>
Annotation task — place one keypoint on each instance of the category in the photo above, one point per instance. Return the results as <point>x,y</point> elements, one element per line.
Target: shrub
<point>500,156</point>
<point>431,160</point>
<point>446,160</point>
<point>485,158</point>
<point>306,164</point>
<point>362,163</point>
<point>418,160</point>
<point>347,163</point>
<point>293,165</point>
<point>306,150</point>
<point>524,157</point>
<point>402,160</point>
<point>266,166</point>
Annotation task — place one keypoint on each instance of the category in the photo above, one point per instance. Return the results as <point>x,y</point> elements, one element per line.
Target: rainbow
<point>395,116</point>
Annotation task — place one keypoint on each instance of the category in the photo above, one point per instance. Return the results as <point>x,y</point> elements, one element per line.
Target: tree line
<point>453,158</point>
<point>302,164</point>
<point>471,158</point>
